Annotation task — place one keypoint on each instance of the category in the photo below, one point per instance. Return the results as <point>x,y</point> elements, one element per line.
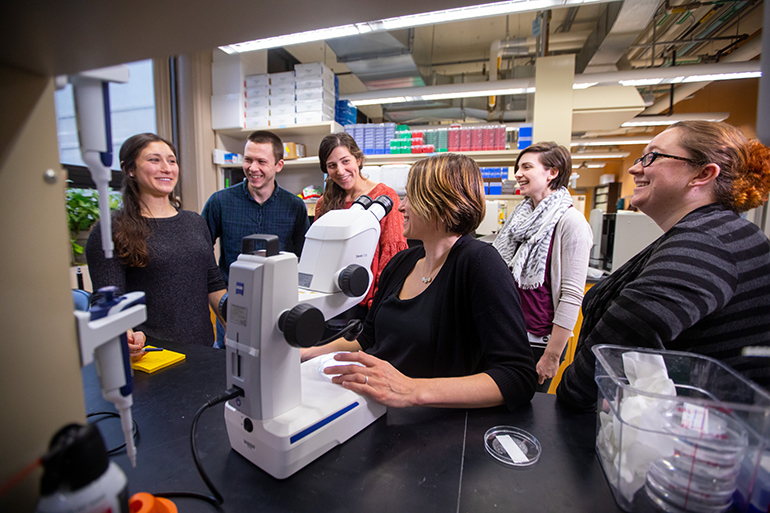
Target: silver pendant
<point>427,279</point>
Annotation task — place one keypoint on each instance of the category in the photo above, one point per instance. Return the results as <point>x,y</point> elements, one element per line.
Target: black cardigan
<point>478,328</point>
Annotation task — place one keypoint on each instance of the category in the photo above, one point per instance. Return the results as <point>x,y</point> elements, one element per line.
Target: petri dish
<point>512,446</point>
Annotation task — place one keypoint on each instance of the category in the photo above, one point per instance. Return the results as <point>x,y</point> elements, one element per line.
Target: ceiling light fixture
<point>400,22</point>
<point>599,155</point>
<point>585,85</point>
<point>441,92</point>
<point>672,74</point>
<point>584,165</point>
<point>673,118</point>
<point>705,72</point>
<point>610,141</point>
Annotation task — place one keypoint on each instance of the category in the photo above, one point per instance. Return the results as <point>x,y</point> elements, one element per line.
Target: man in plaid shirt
<point>256,205</point>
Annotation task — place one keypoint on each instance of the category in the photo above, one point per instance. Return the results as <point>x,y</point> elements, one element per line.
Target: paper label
<point>512,448</point>
<point>237,315</point>
<point>695,417</point>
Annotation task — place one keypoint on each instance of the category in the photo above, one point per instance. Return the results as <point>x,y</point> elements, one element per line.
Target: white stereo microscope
<point>291,413</point>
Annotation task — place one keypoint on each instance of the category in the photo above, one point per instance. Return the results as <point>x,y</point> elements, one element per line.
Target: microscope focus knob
<point>302,326</point>
<point>354,280</point>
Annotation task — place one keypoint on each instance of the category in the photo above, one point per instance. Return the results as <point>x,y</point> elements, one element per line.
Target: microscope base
<point>328,416</point>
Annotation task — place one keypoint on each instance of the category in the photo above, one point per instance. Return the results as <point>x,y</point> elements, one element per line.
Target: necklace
<point>427,279</point>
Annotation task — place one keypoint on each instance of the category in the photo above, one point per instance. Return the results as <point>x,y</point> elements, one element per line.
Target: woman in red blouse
<point>342,160</point>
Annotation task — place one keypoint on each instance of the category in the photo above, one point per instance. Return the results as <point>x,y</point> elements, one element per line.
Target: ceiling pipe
<point>745,53</point>
<point>497,50</point>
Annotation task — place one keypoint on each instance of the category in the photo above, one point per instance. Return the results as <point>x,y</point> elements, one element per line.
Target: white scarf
<point>525,238</point>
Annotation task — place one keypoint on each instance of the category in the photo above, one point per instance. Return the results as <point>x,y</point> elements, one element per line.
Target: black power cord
<point>112,414</point>
<point>351,331</point>
<point>216,498</point>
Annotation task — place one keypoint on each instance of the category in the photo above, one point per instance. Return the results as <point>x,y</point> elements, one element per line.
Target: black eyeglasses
<point>649,158</point>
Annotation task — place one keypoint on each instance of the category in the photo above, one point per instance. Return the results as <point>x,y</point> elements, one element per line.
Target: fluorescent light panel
<point>440,92</point>
<point>584,165</point>
<point>721,71</point>
<point>672,74</point>
<point>673,118</point>
<point>614,141</point>
<point>400,22</point>
<point>600,155</point>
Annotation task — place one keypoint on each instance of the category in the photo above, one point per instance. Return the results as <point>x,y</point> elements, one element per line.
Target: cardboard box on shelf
<point>283,99</point>
<point>292,150</point>
<point>316,93</point>
<point>315,82</point>
<point>282,120</point>
<point>257,102</point>
<point>313,69</point>
<point>282,79</point>
<point>256,122</point>
<point>226,111</point>
<point>257,80</point>
<point>282,110</point>
<point>317,105</point>
<point>259,90</point>
<point>258,112</point>
<point>313,117</point>
<point>282,89</point>
<point>222,157</point>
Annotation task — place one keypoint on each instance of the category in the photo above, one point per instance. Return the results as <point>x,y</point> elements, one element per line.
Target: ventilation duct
<point>378,59</point>
<point>614,33</point>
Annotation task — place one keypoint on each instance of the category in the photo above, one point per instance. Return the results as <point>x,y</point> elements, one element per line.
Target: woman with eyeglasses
<point>704,285</point>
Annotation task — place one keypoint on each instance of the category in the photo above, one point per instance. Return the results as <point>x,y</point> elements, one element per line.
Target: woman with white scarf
<point>546,245</point>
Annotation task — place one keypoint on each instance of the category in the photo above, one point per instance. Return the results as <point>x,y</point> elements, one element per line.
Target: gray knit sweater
<point>703,287</point>
<point>181,273</point>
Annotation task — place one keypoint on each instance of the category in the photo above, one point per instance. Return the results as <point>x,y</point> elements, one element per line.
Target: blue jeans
<point>219,343</point>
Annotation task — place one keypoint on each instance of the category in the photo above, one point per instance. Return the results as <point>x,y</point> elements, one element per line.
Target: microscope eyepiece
<point>386,203</point>
<point>363,200</point>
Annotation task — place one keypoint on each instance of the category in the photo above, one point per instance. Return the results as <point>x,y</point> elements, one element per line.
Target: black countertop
<point>412,459</point>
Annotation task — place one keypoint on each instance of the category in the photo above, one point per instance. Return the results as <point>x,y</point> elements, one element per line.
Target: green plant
<point>83,212</point>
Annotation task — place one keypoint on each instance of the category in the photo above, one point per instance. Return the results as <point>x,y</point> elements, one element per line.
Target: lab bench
<point>411,459</point>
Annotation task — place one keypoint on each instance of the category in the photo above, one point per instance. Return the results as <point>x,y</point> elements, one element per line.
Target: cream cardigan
<point>572,241</point>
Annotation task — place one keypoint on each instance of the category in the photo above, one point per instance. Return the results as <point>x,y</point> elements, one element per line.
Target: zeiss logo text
<point>239,288</point>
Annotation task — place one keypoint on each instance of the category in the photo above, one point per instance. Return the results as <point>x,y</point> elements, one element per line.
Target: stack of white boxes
<point>256,101</point>
<point>282,99</point>
<point>269,100</point>
<point>316,93</point>
<point>306,95</point>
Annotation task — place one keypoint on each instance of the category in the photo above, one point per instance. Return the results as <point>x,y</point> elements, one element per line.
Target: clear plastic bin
<point>704,449</point>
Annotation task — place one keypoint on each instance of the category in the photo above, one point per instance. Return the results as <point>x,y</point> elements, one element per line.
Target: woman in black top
<point>445,328</point>
<point>160,249</point>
